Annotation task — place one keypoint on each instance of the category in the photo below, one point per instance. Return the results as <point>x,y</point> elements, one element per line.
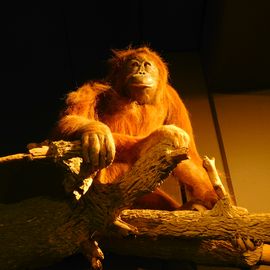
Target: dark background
<point>50,49</point>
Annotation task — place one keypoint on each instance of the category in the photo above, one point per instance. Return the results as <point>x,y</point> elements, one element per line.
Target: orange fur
<point>132,123</point>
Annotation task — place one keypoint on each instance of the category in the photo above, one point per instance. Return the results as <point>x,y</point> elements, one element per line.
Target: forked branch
<point>40,231</point>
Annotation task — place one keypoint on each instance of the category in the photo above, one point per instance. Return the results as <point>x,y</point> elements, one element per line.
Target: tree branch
<point>41,231</point>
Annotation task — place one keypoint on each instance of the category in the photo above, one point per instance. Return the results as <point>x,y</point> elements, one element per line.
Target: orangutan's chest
<point>135,120</point>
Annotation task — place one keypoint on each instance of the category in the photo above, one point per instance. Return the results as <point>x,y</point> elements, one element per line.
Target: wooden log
<point>204,238</point>
<point>224,236</point>
<point>41,231</point>
<point>55,150</point>
<point>32,233</point>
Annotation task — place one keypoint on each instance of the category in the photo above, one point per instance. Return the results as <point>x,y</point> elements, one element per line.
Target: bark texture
<point>41,231</point>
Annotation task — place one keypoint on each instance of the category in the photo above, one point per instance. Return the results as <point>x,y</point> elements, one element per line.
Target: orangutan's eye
<point>134,63</point>
<point>147,64</point>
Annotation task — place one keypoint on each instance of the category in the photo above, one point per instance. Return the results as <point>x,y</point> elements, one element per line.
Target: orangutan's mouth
<point>141,85</point>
